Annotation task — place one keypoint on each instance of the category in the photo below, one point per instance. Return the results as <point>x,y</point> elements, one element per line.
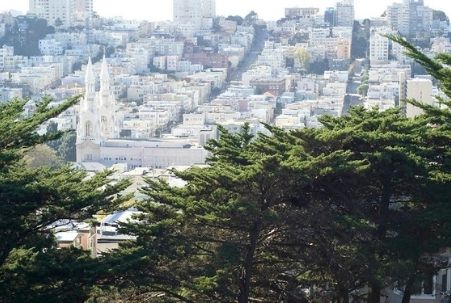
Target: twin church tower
<point>97,120</point>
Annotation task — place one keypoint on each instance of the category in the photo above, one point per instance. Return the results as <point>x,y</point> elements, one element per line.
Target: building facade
<point>411,18</point>
<point>301,12</point>
<point>345,13</point>
<point>420,90</point>
<point>193,13</point>
<point>65,13</point>
<point>98,131</point>
<point>330,16</point>
<point>379,48</point>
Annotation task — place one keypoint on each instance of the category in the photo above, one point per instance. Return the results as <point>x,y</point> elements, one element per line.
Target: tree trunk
<point>375,293</point>
<point>344,296</point>
<point>384,207</point>
<point>247,267</point>
<point>408,289</point>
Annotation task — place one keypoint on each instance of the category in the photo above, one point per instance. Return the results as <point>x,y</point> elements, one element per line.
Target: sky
<point>159,10</point>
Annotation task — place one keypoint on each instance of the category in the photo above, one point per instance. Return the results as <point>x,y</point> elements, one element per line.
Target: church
<point>99,126</point>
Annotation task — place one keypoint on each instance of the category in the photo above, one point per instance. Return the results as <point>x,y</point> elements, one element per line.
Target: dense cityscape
<point>156,103</point>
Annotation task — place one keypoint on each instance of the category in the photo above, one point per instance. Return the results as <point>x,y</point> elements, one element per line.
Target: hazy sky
<point>156,10</point>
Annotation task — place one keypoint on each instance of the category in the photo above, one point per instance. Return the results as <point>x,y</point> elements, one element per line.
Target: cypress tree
<point>32,269</point>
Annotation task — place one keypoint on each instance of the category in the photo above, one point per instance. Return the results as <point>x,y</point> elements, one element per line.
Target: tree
<point>441,16</point>
<point>303,57</point>
<point>58,22</point>
<point>395,208</point>
<point>360,41</point>
<point>363,88</point>
<point>251,18</point>
<point>238,19</point>
<point>362,203</point>
<point>238,229</point>
<point>41,155</point>
<point>65,145</point>
<point>24,35</point>
<point>437,139</point>
<point>31,268</point>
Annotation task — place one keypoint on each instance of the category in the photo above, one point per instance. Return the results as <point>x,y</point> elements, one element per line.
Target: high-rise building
<point>208,8</point>
<point>64,13</point>
<point>410,18</point>
<point>301,12</point>
<point>330,16</point>
<point>193,11</point>
<point>393,16</point>
<point>345,13</point>
<point>84,10</point>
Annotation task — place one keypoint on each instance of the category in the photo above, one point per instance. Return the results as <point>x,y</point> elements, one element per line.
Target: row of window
<point>120,159</point>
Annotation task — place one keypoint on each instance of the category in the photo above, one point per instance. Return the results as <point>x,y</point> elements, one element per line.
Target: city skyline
<point>135,9</point>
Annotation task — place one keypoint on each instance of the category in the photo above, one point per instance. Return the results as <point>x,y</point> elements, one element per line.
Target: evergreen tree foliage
<point>64,146</point>
<point>31,199</point>
<point>362,203</point>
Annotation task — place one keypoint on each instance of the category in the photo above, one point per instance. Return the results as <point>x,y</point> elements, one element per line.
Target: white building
<point>301,12</point>
<point>420,90</point>
<point>98,134</point>
<point>410,18</point>
<point>7,94</point>
<point>50,47</point>
<point>208,8</point>
<point>345,13</point>
<point>84,10</point>
<point>66,13</point>
<point>6,58</point>
<point>379,48</point>
<point>192,13</point>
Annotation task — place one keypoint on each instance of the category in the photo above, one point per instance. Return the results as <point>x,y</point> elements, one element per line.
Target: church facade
<point>98,130</point>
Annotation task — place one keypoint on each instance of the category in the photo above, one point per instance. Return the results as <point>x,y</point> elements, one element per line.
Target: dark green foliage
<point>242,227</point>
<point>440,15</point>
<point>361,202</point>
<point>318,67</point>
<point>363,88</point>
<point>64,146</point>
<point>31,268</point>
<point>251,18</point>
<point>25,34</point>
<point>238,19</point>
<point>360,41</point>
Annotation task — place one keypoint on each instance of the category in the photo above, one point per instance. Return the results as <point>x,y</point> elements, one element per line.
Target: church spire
<point>108,115</point>
<point>88,127</point>
<point>90,82</point>
<point>104,76</point>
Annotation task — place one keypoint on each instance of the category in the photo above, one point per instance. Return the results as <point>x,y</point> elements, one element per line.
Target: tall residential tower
<point>345,13</point>
<point>193,12</point>
<point>65,13</point>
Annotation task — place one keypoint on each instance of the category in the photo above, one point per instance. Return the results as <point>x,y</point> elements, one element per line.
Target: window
<point>428,285</point>
<point>424,286</point>
<point>88,129</point>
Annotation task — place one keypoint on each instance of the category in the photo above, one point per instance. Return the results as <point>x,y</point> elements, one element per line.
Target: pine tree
<point>436,142</point>
<point>237,230</point>
<point>361,203</point>
<point>31,268</point>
